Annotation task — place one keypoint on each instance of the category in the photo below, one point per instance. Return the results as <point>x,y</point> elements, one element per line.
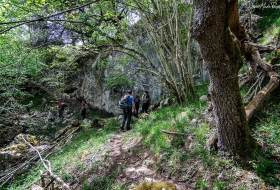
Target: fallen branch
<point>254,104</point>
<point>47,166</point>
<point>6,177</point>
<point>263,48</point>
<point>173,133</point>
<point>273,83</point>
<point>276,66</point>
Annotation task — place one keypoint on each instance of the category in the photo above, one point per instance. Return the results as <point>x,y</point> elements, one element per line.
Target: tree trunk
<point>223,61</point>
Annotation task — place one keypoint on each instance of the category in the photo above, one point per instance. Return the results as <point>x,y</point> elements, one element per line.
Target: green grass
<point>66,160</point>
<point>270,16</point>
<point>269,24</point>
<point>105,182</point>
<point>174,155</point>
<point>265,125</point>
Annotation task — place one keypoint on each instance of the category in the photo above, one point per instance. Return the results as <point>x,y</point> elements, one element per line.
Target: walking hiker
<point>137,104</point>
<point>52,114</point>
<point>61,107</point>
<point>145,101</point>
<point>84,109</point>
<point>128,111</point>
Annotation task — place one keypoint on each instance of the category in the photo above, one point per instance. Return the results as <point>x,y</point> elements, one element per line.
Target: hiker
<point>128,111</point>
<point>61,107</point>
<point>145,101</point>
<point>84,109</point>
<point>52,114</point>
<point>137,104</point>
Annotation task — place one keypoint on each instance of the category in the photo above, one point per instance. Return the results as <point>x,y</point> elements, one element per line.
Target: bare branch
<point>47,166</point>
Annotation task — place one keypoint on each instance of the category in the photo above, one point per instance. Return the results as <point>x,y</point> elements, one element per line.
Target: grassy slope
<point>269,25</point>
<point>186,159</point>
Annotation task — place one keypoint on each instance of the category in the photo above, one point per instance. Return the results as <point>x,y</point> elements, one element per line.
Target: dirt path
<point>132,158</point>
<point>135,162</point>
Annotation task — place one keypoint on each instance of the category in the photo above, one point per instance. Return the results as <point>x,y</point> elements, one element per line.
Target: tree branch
<point>41,18</point>
<point>263,48</point>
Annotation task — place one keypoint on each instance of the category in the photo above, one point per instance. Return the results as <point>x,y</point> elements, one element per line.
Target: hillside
<point>106,158</point>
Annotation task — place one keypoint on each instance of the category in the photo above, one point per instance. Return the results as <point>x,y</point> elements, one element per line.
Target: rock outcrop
<point>98,95</point>
<point>18,151</point>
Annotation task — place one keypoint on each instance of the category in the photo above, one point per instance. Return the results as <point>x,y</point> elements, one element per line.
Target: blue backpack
<point>124,102</point>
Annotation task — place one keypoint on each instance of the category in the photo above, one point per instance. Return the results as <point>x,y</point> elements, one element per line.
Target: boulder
<point>181,116</point>
<point>154,106</point>
<point>203,98</point>
<point>160,185</point>
<point>29,138</point>
<point>36,187</point>
<point>98,122</point>
<point>11,155</point>
<point>83,154</point>
<point>143,116</point>
<point>167,102</point>
<point>8,133</point>
<point>75,123</point>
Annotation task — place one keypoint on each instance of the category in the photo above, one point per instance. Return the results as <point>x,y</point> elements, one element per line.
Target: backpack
<point>147,99</point>
<point>59,105</point>
<point>62,106</point>
<point>86,106</point>
<point>124,102</point>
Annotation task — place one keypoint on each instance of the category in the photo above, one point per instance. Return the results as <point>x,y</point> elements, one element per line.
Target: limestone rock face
<point>90,81</point>
<point>93,89</point>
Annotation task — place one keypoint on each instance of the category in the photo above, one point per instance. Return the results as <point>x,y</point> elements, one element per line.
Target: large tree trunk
<point>223,61</point>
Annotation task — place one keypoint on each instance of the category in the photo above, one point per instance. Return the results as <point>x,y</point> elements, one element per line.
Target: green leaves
<point>119,79</point>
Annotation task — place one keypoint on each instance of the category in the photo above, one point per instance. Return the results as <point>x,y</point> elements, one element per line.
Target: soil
<point>133,161</point>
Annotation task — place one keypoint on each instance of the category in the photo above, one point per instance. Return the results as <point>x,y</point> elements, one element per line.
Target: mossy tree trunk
<point>223,61</point>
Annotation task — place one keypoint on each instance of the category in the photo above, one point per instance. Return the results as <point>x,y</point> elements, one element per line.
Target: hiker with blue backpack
<point>126,104</point>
